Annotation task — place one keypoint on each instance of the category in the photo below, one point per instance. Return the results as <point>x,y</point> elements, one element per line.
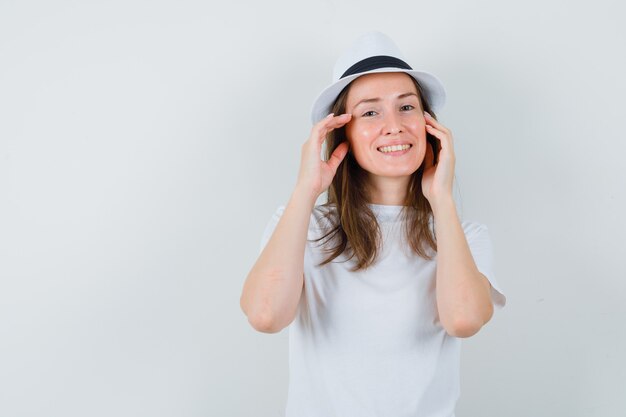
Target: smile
<point>395,149</point>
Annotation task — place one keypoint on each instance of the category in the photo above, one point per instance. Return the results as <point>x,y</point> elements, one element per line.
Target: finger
<point>318,127</point>
<point>442,136</point>
<point>337,156</point>
<point>332,123</point>
<point>336,121</point>
<point>430,120</point>
<point>329,120</point>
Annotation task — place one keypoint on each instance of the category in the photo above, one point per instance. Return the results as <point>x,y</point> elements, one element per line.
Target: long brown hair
<point>354,226</point>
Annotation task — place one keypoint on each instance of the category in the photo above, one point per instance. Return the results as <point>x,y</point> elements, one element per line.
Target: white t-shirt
<point>369,343</point>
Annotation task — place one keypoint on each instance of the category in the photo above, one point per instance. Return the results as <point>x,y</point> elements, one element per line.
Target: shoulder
<point>326,209</point>
<point>475,231</point>
<point>322,216</point>
<point>279,211</point>
<point>275,217</point>
<point>473,227</point>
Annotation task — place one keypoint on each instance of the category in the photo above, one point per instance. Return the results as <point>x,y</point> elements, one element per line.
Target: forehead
<point>380,85</point>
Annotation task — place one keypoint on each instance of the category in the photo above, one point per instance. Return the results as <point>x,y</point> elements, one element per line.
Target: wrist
<point>442,204</point>
<point>306,194</point>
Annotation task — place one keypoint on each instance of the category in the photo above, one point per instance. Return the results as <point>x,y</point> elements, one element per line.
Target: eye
<point>367,113</point>
<point>410,107</point>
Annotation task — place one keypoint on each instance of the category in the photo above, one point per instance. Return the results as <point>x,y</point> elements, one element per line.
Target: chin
<point>395,172</point>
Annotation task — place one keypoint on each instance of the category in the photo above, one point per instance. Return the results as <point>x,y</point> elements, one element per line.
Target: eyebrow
<point>376,99</point>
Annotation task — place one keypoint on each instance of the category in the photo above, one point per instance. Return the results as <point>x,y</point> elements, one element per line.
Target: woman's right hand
<point>315,174</point>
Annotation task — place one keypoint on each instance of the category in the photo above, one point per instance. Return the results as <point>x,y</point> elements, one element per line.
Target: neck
<point>388,191</point>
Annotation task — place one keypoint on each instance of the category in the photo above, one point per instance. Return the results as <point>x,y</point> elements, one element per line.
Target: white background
<point>144,145</point>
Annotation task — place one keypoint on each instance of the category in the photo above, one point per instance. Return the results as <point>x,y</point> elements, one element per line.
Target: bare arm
<point>463,293</point>
<point>273,287</point>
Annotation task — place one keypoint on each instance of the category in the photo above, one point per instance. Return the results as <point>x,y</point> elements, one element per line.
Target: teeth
<point>394,148</point>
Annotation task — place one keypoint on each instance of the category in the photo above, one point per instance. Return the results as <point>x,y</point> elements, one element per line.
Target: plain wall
<point>144,145</point>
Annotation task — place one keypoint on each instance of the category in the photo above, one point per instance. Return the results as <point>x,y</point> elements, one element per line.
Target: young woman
<point>379,284</point>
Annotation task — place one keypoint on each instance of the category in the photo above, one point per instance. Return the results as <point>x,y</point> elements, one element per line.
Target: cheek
<point>358,140</point>
<point>418,126</point>
<point>360,132</point>
<point>419,132</point>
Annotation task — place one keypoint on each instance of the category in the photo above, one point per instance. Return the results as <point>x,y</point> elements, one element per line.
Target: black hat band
<point>374,62</point>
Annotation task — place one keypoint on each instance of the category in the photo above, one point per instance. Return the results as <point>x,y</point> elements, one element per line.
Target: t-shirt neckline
<point>384,212</point>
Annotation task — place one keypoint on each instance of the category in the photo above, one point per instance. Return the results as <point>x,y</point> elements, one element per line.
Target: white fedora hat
<point>374,52</point>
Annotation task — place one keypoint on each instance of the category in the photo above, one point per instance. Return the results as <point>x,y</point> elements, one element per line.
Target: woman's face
<point>386,111</point>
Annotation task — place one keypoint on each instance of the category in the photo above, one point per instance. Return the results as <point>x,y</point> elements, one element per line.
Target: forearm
<point>463,294</point>
<point>273,286</point>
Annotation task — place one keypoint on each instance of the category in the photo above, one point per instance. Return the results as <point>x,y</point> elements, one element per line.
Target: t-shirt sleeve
<point>479,242</point>
<point>269,228</point>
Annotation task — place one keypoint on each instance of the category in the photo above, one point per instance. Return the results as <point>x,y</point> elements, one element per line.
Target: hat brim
<point>432,86</point>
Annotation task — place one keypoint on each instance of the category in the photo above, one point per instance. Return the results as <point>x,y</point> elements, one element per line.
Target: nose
<point>393,125</point>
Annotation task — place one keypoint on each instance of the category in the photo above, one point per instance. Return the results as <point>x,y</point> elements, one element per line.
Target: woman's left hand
<point>437,179</point>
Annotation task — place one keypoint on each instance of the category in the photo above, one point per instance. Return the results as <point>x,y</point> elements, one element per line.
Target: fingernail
<point>330,115</point>
<point>427,114</point>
